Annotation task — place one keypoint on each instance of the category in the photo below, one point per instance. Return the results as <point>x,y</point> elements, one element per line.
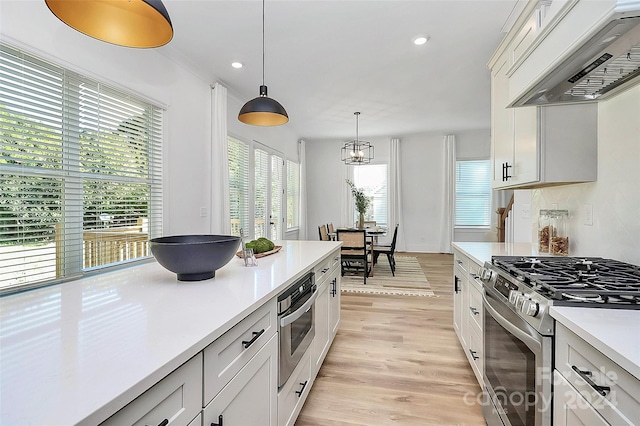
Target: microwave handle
<point>525,337</point>
<point>285,321</point>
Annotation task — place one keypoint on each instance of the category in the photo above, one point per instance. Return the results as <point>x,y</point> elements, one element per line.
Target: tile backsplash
<point>612,204</point>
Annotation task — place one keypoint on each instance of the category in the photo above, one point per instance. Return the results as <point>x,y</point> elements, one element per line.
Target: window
<point>293,194</point>
<point>80,173</point>
<point>238,153</point>
<point>473,193</point>
<point>256,185</point>
<point>372,179</point>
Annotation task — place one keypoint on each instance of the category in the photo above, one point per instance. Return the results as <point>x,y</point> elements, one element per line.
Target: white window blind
<point>293,194</point>
<point>260,192</point>
<point>80,173</point>
<point>473,193</point>
<point>277,189</point>
<point>372,179</point>
<point>238,153</point>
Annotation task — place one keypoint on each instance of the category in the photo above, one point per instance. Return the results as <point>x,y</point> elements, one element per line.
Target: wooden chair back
<point>353,241</point>
<point>369,223</point>
<point>322,231</point>
<point>331,228</point>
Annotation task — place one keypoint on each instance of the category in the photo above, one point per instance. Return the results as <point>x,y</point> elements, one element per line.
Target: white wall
<point>156,75</point>
<point>615,197</point>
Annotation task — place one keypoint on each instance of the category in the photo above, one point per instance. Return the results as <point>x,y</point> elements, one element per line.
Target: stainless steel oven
<point>295,324</point>
<point>517,367</point>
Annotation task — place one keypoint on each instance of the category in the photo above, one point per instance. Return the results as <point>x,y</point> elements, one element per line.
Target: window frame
<point>108,141</point>
<point>487,193</point>
<point>386,201</point>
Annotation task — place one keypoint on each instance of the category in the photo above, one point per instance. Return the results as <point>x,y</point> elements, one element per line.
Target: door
<point>268,194</point>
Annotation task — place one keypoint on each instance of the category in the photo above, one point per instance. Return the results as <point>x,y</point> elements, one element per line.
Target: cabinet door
<point>457,302</point>
<point>321,314</point>
<point>501,123</point>
<point>570,408</point>
<point>525,146</point>
<point>334,304</point>
<point>250,398</point>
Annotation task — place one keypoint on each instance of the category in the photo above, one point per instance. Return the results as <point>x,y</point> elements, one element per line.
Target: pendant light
<point>129,23</point>
<point>356,151</point>
<point>263,111</point>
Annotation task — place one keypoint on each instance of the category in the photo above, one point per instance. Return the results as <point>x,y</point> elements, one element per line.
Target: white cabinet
<point>173,401</point>
<point>250,398</point>
<point>467,311</point>
<point>606,391</point>
<point>293,394</point>
<point>537,146</point>
<point>327,312</point>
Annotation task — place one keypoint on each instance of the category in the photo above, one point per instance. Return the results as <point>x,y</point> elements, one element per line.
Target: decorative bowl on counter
<point>194,257</point>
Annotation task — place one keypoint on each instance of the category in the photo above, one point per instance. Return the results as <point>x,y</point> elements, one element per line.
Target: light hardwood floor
<point>396,360</point>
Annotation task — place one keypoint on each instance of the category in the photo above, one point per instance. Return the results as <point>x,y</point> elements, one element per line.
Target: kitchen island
<point>77,352</point>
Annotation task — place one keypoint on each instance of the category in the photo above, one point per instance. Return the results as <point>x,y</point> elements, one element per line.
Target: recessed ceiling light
<point>237,64</point>
<point>420,40</point>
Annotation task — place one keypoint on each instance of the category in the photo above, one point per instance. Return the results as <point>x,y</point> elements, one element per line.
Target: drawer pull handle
<point>473,310</point>
<point>165,422</point>
<point>456,287</point>
<point>219,421</point>
<point>256,334</point>
<point>473,355</point>
<point>325,270</point>
<point>334,287</point>
<point>586,376</point>
<point>304,385</point>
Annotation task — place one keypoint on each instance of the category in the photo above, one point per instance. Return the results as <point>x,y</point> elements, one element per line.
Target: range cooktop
<point>592,281</point>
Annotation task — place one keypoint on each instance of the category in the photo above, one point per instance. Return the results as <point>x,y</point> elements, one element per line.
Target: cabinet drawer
<point>621,404</point>
<point>475,352</point>
<point>475,305</point>
<point>322,269</point>
<point>460,261</point>
<point>294,392</point>
<point>176,399</point>
<point>231,351</point>
<point>570,408</point>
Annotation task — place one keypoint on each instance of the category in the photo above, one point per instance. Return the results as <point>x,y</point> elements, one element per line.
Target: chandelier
<point>357,151</point>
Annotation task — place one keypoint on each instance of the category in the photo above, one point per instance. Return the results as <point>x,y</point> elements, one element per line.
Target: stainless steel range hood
<point>607,63</point>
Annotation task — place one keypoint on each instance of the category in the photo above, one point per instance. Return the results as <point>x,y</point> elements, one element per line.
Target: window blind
<point>80,173</point>
<point>372,179</point>
<point>260,192</point>
<point>473,193</point>
<point>238,153</point>
<point>277,194</point>
<point>293,194</point>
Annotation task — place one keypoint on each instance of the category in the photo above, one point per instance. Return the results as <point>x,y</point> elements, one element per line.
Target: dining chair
<point>388,250</point>
<point>354,252</point>
<point>330,228</point>
<point>322,231</point>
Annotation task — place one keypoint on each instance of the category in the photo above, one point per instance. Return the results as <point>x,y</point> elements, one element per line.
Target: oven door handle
<point>525,337</point>
<point>285,321</point>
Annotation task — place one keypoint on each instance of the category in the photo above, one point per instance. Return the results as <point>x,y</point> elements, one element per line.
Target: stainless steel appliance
<point>518,329</point>
<point>295,324</point>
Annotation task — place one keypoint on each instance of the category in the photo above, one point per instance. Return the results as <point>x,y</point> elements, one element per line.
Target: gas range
<point>531,285</point>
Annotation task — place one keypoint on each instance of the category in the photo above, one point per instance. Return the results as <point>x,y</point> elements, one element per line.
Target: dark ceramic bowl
<point>194,257</point>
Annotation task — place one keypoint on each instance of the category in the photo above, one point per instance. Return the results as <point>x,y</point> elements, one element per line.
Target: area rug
<point>409,279</point>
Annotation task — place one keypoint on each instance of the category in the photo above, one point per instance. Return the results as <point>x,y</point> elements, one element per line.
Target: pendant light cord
<point>263,42</point>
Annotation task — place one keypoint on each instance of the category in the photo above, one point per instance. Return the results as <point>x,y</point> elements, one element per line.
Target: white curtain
<point>220,209</point>
<point>395,196</point>
<point>449,194</point>
<point>302,158</point>
<point>347,207</point>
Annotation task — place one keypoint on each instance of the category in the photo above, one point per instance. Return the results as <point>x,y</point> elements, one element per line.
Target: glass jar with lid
<point>543,231</point>
<point>559,232</point>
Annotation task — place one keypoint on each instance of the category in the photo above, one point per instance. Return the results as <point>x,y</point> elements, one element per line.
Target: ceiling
<point>324,60</point>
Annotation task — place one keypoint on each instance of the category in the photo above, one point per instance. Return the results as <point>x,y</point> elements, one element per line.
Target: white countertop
<point>614,332</point>
<point>78,352</point>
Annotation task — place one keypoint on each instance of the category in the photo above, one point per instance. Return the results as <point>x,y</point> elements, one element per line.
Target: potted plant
<point>362,202</point>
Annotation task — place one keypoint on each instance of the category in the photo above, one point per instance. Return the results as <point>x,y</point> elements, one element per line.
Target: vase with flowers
<point>362,202</point>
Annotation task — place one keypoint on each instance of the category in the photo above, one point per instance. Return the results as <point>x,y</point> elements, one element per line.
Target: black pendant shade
<point>263,111</point>
<point>129,23</point>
